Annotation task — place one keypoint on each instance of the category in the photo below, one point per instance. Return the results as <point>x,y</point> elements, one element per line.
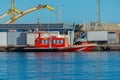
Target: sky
<point>71,11</point>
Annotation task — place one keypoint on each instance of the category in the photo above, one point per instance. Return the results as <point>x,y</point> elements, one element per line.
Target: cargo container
<point>112,38</point>
<point>118,38</point>
<point>31,38</point>
<point>94,36</point>
<point>97,35</point>
<point>16,38</point>
<point>3,38</point>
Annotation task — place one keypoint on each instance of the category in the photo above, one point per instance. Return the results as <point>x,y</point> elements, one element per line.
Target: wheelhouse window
<point>61,41</point>
<point>44,41</point>
<point>54,41</point>
<point>58,41</point>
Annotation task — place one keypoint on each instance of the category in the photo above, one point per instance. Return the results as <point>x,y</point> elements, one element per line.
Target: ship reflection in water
<point>60,66</point>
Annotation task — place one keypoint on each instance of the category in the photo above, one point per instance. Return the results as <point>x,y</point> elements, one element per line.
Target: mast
<point>39,34</point>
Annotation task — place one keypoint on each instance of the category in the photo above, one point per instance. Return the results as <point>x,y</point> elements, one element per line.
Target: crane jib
<point>19,13</point>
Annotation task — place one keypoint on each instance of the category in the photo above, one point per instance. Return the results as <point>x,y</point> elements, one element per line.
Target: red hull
<point>73,48</point>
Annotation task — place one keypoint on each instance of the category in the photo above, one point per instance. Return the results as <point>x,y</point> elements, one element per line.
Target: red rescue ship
<point>57,44</point>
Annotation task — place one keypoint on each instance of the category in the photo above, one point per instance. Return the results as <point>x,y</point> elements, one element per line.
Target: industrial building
<point>113,30</point>
<point>17,34</point>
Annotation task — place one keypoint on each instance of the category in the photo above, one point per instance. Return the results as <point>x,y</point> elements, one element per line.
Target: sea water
<point>60,66</point>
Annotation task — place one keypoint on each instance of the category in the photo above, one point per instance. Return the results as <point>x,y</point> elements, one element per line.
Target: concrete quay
<point>11,48</point>
<point>107,47</point>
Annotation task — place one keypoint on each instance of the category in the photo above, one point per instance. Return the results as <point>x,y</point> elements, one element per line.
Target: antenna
<point>58,14</point>
<point>39,34</point>
<point>38,24</point>
<point>98,13</point>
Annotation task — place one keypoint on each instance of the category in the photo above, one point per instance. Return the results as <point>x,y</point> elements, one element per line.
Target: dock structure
<point>21,31</point>
<point>19,34</point>
<point>112,28</point>
<point>19,48</point>
<point>107,47</point>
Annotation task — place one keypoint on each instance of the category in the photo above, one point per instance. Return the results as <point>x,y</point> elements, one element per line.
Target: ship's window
<point>58,41</point>
<point>42,41</point>
<point>61,41</point>
<point>54,41</point>
<point>46,41</point>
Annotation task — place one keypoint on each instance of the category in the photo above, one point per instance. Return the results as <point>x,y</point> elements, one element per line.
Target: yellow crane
<point>16,14</point>
<point>29,11</point>
<point>13,11</point>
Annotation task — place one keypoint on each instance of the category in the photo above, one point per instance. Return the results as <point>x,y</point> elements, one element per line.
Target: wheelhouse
<point>51,42</point>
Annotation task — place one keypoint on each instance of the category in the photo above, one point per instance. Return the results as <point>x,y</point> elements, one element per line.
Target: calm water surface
<point>60,66</point>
